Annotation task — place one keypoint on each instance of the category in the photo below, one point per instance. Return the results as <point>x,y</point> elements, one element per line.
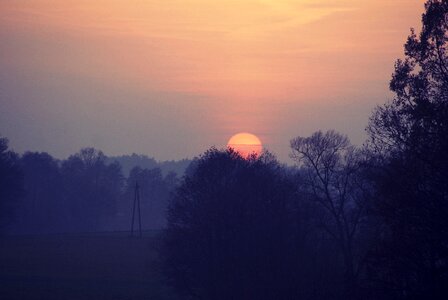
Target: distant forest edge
<point>86,192</point>
<point>128,162</point>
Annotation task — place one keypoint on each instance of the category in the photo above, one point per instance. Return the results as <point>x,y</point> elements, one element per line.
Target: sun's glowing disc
<point>245,144</point>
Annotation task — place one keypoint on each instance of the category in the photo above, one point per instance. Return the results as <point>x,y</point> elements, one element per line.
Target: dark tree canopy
<point>416,119</point>
<point>232,232</point>
<point>409,143</point>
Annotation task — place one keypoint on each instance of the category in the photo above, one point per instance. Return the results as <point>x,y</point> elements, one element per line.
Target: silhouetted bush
<point>232,230</point>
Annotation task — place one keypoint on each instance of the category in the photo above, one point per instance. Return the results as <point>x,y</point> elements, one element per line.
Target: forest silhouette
<point>345,222</point>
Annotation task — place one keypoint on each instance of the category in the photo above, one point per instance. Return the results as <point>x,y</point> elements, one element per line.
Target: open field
<point>88,266</point>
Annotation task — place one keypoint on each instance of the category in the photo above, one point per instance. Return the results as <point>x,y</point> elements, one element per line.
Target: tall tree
<point>331,175</point>
<point>409,140</point>
<point>416,119</point>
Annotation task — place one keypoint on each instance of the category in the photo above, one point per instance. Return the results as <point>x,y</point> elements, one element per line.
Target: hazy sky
<point>171,78</point>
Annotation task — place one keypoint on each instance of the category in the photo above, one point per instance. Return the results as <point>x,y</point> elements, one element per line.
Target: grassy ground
<point>100,266</point>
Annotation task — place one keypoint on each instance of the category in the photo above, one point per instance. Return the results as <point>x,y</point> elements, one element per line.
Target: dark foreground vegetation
<point>345,222</point>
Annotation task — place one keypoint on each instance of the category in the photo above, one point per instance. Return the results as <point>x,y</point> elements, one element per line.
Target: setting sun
<point>245,144</point>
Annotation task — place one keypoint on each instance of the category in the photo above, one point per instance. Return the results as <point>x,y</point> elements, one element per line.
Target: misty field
<point>100,266</point>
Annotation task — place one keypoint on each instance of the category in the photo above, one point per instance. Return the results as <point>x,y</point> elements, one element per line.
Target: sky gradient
<point>171,78</point>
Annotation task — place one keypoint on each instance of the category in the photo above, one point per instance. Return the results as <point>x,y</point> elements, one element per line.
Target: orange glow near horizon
<point>245,144</point>
<point>206,68</point>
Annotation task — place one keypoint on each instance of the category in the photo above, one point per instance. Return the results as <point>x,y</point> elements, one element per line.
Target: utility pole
<point>136,201</point>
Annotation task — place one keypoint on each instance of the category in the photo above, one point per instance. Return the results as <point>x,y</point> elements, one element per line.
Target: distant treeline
<point>128,162</point>
<point>86,192</point>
